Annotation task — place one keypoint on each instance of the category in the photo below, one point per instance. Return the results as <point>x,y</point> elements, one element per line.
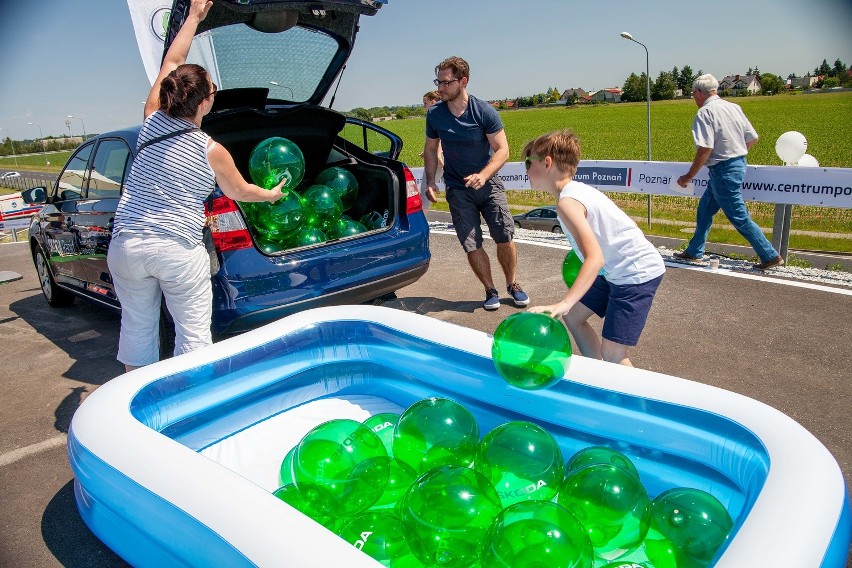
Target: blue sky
<point>59,57</point>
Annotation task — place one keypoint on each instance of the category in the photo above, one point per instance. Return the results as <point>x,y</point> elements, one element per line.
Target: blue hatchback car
<point>274,64</point>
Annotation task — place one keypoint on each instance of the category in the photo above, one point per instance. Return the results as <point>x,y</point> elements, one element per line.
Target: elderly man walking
<point>723,136</point>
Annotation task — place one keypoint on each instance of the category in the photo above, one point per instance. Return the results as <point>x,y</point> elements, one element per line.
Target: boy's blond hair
<point>562,146</point>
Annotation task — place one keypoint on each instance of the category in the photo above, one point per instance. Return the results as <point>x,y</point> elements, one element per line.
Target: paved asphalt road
<point>785,346</point>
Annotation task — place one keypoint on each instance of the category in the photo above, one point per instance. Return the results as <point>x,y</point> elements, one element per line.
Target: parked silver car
<point>539,219</point>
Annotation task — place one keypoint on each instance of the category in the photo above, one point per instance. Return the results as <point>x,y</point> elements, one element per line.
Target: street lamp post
<point>14,154</point>
<point>626,35</point>
<point>81,122</point>
<point>41,141</point>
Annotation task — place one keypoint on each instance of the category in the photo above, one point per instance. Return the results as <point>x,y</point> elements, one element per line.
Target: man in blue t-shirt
<point>475,148</point>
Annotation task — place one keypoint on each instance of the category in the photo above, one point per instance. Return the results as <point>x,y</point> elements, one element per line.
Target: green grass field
<point>619,132</point>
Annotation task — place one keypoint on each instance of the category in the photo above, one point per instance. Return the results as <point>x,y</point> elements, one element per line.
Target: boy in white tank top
<point>621,269</point>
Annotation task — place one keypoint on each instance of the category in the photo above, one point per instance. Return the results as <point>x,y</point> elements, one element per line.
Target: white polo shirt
<point>722,126</point>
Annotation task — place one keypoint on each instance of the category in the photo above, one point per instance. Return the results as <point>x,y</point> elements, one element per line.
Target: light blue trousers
<point>724,192</point>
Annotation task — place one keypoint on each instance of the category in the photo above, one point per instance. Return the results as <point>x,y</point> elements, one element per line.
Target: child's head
<point>562,146</point>
<point>431,98</point>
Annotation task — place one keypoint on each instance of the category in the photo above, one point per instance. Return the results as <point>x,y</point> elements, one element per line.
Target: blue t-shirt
<point>463,139</point>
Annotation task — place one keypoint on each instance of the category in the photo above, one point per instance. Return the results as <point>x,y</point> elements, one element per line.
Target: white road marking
<point>719,271</point>
<point>21,453</point>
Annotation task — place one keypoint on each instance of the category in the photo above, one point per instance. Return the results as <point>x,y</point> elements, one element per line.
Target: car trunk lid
<point>291,50</point>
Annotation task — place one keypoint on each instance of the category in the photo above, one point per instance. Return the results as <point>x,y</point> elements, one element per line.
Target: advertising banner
<point>150,22</point>
<point>792,185</point>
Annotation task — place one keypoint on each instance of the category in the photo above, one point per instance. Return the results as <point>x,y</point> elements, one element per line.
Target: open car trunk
<point>315,131</point>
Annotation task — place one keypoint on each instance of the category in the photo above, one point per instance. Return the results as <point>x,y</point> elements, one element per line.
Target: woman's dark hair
<point>182,90</point>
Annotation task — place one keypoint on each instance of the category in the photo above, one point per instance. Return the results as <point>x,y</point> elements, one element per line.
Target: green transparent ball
<point>400,477</point>
<point>523,462</point>
<point>291,495</point>
<point>287,213</point>
<point>571,267</point>
<point>695,522</point>
<point>611,503</point>
<point>382,425</point>
<point>380,535</point>
<point>345,228</point>
<point>446,514</point>
<point>435,432</point>
<point>261,221</point>
<point>536,534</point>
<point>599,455</point>
<point>660,551</point>
<point>341,467</point>
<point>285,471</point>
<point>321,205</point>
<point>270,247</point>
<point>342,182</point>
<point>276,159</point>
<point>307,235</point>
<point>373,220</point>
<point>531,351</point>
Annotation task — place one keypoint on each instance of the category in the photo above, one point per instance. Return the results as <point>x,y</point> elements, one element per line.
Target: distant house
<point>504,104</point>
<point>805,82</point>
<point>737,84</point>
<point>572,93</point>
<point>607,95</point>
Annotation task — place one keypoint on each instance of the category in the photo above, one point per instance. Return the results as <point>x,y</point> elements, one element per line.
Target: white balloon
<point>791,146</point>
<point>808,161</point>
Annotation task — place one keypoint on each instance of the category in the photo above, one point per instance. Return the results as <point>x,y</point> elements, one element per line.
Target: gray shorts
<point>466,206</point>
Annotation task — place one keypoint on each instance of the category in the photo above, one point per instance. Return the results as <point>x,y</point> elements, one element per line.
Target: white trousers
<point>145,268</point>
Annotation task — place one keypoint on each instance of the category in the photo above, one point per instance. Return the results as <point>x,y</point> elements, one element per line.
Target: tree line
<point>9,147</point>
<point>667,84</point>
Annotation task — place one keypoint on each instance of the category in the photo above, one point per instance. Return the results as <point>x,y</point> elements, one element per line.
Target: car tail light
<point>227,225</point>
<point>412,193</point>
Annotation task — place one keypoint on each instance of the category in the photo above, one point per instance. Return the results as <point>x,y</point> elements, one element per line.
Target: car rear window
<point>291,64</point>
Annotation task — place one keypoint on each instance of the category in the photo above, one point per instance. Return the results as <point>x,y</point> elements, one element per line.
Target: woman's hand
<point>276,192</point>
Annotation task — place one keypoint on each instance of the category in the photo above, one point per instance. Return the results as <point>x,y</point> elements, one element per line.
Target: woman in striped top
<point>156,247</point>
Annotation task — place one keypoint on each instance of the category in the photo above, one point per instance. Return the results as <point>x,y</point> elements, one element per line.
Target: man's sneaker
<point>492,299</point>
<point>771,263</point>
<point>684,256</point>
<point>518,296</point>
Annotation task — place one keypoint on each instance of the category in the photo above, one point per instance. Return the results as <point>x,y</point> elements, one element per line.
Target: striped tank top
<point>168,182</point>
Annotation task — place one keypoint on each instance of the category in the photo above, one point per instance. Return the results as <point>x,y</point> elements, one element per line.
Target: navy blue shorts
<point>624,308</point>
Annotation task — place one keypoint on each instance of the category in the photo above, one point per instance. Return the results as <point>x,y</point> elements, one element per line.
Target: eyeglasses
<point>213,92</point>
<point>529,160</point>
<point>444,83</point>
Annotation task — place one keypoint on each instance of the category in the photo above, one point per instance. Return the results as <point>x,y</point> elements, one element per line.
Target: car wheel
<point>556,229</point>
<point>517,225</point>
<point>55,296</point>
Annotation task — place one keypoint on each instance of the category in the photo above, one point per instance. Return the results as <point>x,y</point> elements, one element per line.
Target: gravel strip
<point>829,277</point>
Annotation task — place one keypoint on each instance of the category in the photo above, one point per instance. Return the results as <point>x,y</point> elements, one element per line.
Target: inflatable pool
<point>175,463</point>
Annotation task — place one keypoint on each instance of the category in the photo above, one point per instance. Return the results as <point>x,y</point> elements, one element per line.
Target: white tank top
<point>629,258</point>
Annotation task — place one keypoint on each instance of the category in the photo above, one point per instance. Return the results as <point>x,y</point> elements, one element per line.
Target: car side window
<point>72,180</point>
<point>536,213</point>
<point>108,169</point>
<point>550,214</point>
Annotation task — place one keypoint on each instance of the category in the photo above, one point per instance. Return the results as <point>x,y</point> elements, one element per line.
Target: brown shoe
<point>684,256</point>
<point>771,263</point>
